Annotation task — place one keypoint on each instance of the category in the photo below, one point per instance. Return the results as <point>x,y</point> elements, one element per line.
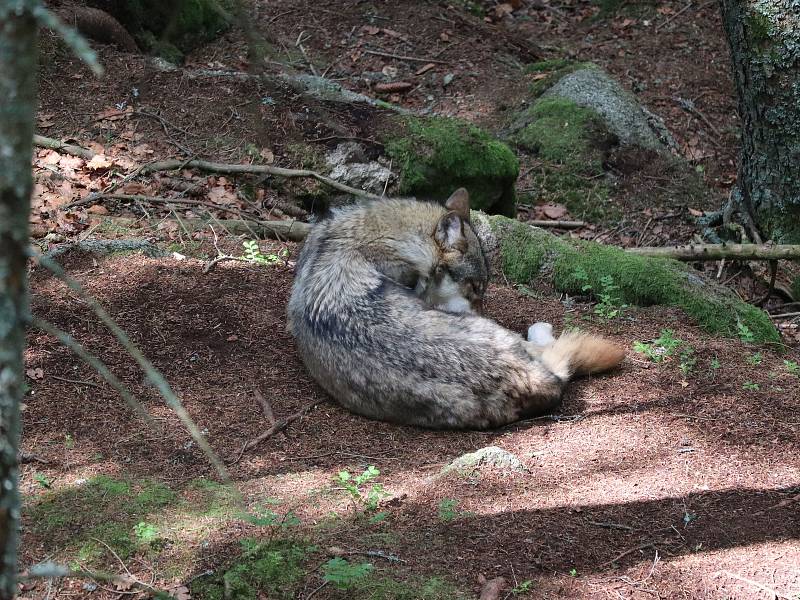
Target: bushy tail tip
<point>581,354</point>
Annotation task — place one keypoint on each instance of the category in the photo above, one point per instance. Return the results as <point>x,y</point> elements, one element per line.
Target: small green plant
<point>610,305</point>
<point>745,333</point>
<point>43,481</point>
<point>69,442</point>
<point>750,386</point>
<point>524,587</point>
<point>688,361</point>
<point>447,510</point>
<point>253,254</point>
<point>715,364</point>
<point>343,574</point>
<point>755,359</point>
<point>573,572</point>
<point>792,367</point>
<point>145,532</point>
<point>660,348</point>
<point>368,498</point>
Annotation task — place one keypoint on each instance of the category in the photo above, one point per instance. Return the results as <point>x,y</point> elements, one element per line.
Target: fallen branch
<point>169,165</point>
<point>54,144</point>
<point>403,57</point>
<point>698,252</point>
<point>51,570</point>
<point>293,230</point>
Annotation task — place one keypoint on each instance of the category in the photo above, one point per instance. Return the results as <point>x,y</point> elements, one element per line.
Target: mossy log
<point>531,256</point>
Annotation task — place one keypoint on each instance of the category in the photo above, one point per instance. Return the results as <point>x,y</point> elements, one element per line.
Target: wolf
<point>385,311</point>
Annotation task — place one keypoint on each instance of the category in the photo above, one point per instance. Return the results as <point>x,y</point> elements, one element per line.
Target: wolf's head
<point>459,275</point>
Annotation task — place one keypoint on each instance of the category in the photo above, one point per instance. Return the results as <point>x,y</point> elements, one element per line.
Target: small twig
<point>675,16</point>
<point>627,552</point>
<point>77,381</point>
<point>315,590</point>
<point>277,427</point>
<point>761,586</point>
<point>265,406</point>
<point>408,58</point>
<point>773,272</point>
<point>786,315</point>
<point>611,525</point>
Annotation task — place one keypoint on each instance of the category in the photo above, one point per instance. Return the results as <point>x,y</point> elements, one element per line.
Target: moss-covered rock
<point>573,145</point>
<point>436,155</point>
<point>528,254</point>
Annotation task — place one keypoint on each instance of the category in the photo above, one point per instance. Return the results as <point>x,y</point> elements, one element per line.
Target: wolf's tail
<point>581,354</point>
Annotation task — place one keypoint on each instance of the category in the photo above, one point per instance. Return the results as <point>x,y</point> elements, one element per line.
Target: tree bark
<point>698,252</point>
<point>18,67</point>
<point>764,38</point>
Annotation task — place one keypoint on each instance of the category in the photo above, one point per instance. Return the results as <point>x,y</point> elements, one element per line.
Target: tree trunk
<point>764,38</point>
<point>18,67</point>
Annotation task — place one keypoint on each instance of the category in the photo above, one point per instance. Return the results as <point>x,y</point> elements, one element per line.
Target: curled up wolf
<point>384,310</point>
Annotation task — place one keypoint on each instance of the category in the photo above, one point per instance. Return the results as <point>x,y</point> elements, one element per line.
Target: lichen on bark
<point>764,37</point>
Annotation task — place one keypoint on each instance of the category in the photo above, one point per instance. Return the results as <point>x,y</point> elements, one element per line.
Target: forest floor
<point>671,479</point>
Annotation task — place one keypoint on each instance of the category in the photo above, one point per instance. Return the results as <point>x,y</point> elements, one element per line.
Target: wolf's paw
<point>541,334</point>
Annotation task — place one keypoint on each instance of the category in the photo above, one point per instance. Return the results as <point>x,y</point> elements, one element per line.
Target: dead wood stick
<point>699,252</point>
<point>169,165</point>
<point>403,57</point>
<point>624,554</point>
<point>786,315</point>
<point>558,224</point>
<point>277,427</point>
<point>54,144</point>
<point>293,230</point>
<point>265,406</point>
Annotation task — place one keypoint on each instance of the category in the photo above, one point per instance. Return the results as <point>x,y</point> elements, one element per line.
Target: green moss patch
<point>572,143</point>
<point>102,508</point>
<point>273,568</point>
<point>438,155</point>
<point>528,254</point>
<point>388,588</point>
<point>129,516</point>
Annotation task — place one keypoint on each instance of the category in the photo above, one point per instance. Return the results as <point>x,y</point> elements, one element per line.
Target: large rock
<point>592,88</point>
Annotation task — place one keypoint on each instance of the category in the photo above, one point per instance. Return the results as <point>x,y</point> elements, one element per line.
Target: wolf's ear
<point>458,202</point>
<point>449,232</point>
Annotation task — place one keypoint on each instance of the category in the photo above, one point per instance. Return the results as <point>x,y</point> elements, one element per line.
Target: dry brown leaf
<point>50,157</point>
<point>36,373</point>
<point>554,211</point>
<point>501,10</point>
<point>97,209</point>
<point>267,155</point>
<point>425,68</point>
<point>180,592</point>
<point>99,162</point>
<point>371,29</point>
<point>696,213</point>
<point>221,195</point>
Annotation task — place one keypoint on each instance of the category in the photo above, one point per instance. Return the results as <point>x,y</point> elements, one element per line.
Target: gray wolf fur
<point>383,311</point>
